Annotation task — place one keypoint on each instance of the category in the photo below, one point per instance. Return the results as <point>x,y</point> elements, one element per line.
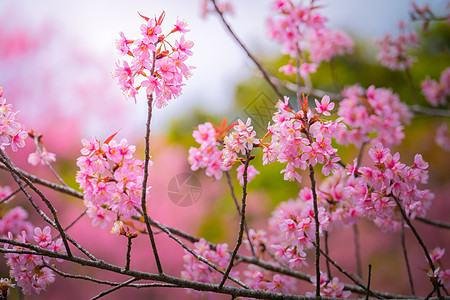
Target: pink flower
<point>325,106</point>
<point>394,51</point>
<point>150,31</point>
<point>184,46</point>
<point>443,137</point>
<point>306,69</point>
<point>436,93</point>
<point>378,153</point>
<point>375,115</point>
<point>162,76</point>
<point>288,69</point>
<point>18,139</point>
<point>43,237</point>
<point>123,44</point>
<point>251,173</point>
<point>181,26</point>
<point>34,158</point>
<point>436,254</point>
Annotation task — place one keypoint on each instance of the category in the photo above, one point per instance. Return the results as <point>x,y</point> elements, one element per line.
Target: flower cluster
<point>435,92</point>
<point>260,279</point>
<point>214,160</point>
<point>374,188</point>
<point>207,7</point>
<point>111,179</point>
<point>375,115</point>
<point>443,137</point>
<point>394,51</point>
<point>300,28</point>
<point>440,274</point>
<point>160,64</point>
<point>11,130</point>
<point>301,139</point>
<point>198,271</point>
<point>29,270</point>
<point>15,222</point>
<point>329,287</point>
<point>5,191</point>
<point>293,227</point>
<point>240,140</point>
<point>35,158</point>
<point>207,156</point>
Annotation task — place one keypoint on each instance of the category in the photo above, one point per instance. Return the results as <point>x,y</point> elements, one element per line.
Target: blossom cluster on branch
<point>159,64</point>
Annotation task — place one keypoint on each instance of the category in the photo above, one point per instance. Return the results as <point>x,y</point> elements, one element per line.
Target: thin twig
<point>368,281</point>
<point>106,282</point>
<point>250,55</point>
<point>360,154</point>
<point>242,222</point>
<point>196,255</point>
<point>356,281</point>
<point>304,90</point>
<point>144,181</point>
<point>317,223</point>
<point>325,237</point>
<point>437,112</point>
<point>405,255</point>
<point>233,195</point>
<point>128,256</point>
<point>37,141</point>
<point>200,286</point>
<point>357,249</point>
<point>419,239</point>
<point>412,86</point>
<point>416,109</point>
<point>10,196</point>
<point>334,76</point>
<point>104,293</point>
<point>16,173</point>
<point>55,223</point>
<point>434,222</point>
<point>46,183</point>
<point>72,223</point>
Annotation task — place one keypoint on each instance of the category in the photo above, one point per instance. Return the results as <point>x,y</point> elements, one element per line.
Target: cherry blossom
<point>199,271</point>
<point>394,51</point>
<point>375,115</point>
<point>300,139</point>
<point>35,158</point>
<point>111,179</point>
<point>437,93</point>
<point>300,28</point>
<point>152,66</point>
<point>28,270</point>
<point>11,130</point>
<point>443,137</point>
<point>374,188</point>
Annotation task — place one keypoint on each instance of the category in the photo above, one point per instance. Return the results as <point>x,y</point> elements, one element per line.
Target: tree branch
<point>250,55</point>
<point>242,222</point>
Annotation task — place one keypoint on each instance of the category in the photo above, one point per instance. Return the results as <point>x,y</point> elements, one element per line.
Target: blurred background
<point>56,60</point>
